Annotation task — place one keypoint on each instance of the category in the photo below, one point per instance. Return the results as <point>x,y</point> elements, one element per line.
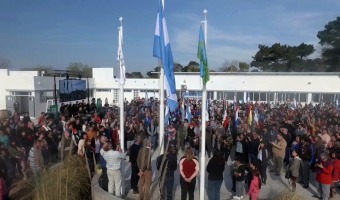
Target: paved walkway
<point>275,185</point>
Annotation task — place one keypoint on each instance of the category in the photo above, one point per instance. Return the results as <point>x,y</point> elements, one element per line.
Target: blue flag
<point>162,51</point>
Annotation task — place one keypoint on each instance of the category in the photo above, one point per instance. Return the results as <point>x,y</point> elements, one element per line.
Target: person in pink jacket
<point>255,186</point>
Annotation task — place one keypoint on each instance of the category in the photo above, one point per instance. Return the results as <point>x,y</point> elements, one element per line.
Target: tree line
<point>275,58</point>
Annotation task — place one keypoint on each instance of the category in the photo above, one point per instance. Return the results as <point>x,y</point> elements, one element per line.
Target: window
<point>46,95</point>
<point>256,96</point>
<point>221,95</point>
<point>239,96</point>
<point>135,94</point>
<point>315,97</point>
<point>115,96</point>
<point>103,90</point>
<point>302,98</point>
<point>328,98</point>
<point>210,95</point>
<point>270,96</point>
<point>263,96</point>
<point>230,96</point>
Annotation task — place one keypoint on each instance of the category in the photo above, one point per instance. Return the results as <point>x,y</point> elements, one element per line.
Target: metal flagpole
<point>121,106</point>
<point>161,109</point>
<point>204,102</point>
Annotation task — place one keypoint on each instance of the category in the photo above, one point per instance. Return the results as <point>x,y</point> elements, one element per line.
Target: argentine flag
<point>167,116</point>
<point>188,113</point>
<point>162,51</point>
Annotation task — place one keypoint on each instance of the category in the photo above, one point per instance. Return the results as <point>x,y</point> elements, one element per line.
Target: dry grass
<point>286,195</point>
<point>68,181</point>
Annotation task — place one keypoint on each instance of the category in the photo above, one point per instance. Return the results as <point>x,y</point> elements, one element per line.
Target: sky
<point>58,32</point>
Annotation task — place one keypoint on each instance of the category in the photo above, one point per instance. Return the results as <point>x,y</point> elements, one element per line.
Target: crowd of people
<point>294,139</point>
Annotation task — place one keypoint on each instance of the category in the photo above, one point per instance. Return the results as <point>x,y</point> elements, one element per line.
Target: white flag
<point>121,56</point>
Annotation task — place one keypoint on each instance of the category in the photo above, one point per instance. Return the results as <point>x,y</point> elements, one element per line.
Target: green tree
<point>330,42</point>
<point>243,67</point>
<point>178,67</point>
<point>229,66</point>
<point>134,75</point>
<point>282,58</point>
<point>193,66</point>
<point>78,68</point>
<point>150,74</point>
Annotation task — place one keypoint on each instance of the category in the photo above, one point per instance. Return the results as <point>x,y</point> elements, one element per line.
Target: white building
<point>32,90</point>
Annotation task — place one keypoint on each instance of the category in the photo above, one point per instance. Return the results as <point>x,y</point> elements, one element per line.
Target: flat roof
<point>265,73</point>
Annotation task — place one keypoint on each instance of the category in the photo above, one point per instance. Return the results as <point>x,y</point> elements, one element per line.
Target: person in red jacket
<point>255,186</point>
<point>336,170</point>
<point>324,172</point>
<point>335,158</point>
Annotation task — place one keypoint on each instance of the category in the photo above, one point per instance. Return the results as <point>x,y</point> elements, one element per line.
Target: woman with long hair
<point>188,168</point>
<point>255,185</point>
<point>262,161</point>
<point>215,170</point>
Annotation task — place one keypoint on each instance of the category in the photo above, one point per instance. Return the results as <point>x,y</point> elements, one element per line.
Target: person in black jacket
<point>306,157</point>
<point>253,143</point>
<point>262,161</point>
<point>166,168</point>
<point>134,150</point>
<point>240,176</point>
<point>215,170</point>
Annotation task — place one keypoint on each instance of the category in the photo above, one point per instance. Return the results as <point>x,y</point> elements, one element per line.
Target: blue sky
<point>58,32</point>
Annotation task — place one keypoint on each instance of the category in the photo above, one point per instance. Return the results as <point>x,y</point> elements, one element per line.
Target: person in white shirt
<point>113,164</point>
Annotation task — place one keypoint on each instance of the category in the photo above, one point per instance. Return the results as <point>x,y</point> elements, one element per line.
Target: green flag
<point>202,55</point>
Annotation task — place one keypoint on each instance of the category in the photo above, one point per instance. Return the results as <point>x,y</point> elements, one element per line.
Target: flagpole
<point>161,109</point>
<point>203,113</point>
<point>121,116</point>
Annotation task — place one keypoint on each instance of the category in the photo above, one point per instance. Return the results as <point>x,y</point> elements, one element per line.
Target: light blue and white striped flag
<point>162,51</point>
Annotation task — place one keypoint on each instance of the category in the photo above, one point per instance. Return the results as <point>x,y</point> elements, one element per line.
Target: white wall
<point>15,81</point>
<point>3,86</point>
<point>250,82</point>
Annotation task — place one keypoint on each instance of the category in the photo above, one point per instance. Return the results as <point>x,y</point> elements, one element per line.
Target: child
<point>255,186</point>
